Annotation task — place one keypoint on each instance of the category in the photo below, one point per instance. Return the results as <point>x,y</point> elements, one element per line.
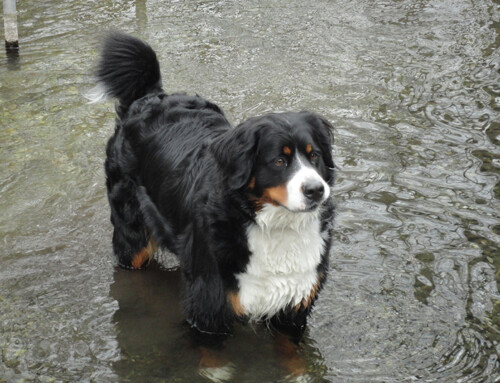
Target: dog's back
<point>156,154</point>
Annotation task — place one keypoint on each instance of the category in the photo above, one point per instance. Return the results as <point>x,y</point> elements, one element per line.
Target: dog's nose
<point>313,190</point>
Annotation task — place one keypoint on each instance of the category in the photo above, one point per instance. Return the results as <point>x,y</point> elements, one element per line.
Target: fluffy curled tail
<point>127,70</point>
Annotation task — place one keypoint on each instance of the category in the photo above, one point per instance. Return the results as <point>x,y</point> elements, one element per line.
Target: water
<point>413,90</point>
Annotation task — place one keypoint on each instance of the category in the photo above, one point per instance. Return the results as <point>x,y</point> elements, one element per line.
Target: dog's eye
<point>313,156</point>
<point>280,162</point>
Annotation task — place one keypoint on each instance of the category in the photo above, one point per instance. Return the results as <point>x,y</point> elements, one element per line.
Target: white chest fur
<point>286,248</point>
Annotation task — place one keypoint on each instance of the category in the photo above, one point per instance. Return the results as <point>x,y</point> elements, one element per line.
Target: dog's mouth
<point>306,208</point>
<point>312,206</point>
<point>307,205</point>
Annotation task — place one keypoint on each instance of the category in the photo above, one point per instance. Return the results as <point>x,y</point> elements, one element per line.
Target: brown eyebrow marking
<point>287,150</point>
<point>309,148</point>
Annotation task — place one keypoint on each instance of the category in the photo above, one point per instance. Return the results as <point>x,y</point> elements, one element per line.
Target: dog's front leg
<point>206,303</point>
<point>289,355</point>
<point>289,329</point>
<point>215,365</point>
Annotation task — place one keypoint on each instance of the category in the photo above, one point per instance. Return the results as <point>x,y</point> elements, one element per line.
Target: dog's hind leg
<point>132,243</point>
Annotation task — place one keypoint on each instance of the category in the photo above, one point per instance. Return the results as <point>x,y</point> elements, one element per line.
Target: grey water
<point>412,88</point>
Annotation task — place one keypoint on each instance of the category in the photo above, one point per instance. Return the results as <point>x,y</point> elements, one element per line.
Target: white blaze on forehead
<point>305,173</point>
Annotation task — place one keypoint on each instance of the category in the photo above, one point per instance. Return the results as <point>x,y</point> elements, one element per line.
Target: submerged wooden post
<point>10,24</point>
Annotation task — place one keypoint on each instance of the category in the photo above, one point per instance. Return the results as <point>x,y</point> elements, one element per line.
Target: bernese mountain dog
<point>246,209</point>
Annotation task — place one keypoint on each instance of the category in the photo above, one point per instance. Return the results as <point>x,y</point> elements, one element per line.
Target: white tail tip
<point>96,94</point>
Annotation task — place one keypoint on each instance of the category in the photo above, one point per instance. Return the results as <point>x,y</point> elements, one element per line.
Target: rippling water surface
<point>413,90</point>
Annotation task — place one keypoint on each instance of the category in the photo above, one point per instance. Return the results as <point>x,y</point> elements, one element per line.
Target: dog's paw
<point>302,378</point>
<point>218,374</point>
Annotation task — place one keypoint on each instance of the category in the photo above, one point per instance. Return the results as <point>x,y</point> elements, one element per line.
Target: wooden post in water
<point>10,25</point>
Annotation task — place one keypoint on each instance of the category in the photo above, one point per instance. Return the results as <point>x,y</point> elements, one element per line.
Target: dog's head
<point>280,159</point>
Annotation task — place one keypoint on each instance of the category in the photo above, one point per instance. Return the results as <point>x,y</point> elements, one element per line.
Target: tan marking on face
<point>309,148</point>
<point>251,185</point>
<point>144,255</point>
<point>277,195</point>
<point>234,300</point>
<point>287,150</point>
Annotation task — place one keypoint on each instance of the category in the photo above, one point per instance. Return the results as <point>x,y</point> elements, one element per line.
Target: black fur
<point>179,173</point>
<point>128,67</point>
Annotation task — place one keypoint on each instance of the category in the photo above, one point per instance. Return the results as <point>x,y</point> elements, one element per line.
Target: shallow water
<point>413,90</point>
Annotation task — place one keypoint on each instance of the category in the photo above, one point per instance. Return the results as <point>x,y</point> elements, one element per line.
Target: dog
<point>247,209</point>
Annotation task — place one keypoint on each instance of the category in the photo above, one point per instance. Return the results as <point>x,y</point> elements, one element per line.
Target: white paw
<point>302,378</point>
<point>218,374</point>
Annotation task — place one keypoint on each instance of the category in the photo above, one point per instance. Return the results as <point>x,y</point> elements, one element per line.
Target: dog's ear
<point>323,136</point>
<point>236,151</point>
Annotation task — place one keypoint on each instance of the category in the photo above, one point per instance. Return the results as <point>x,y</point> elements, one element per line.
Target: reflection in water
<point>141,15</point>
<point>157,345</point>
<point>13,59</point>
<point>412,87</point>
<point>151,335</point>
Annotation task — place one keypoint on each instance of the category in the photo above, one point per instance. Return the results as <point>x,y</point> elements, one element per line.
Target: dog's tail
<point>127,70</point>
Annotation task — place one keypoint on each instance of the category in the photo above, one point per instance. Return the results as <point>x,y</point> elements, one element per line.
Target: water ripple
<point>412,88</point>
